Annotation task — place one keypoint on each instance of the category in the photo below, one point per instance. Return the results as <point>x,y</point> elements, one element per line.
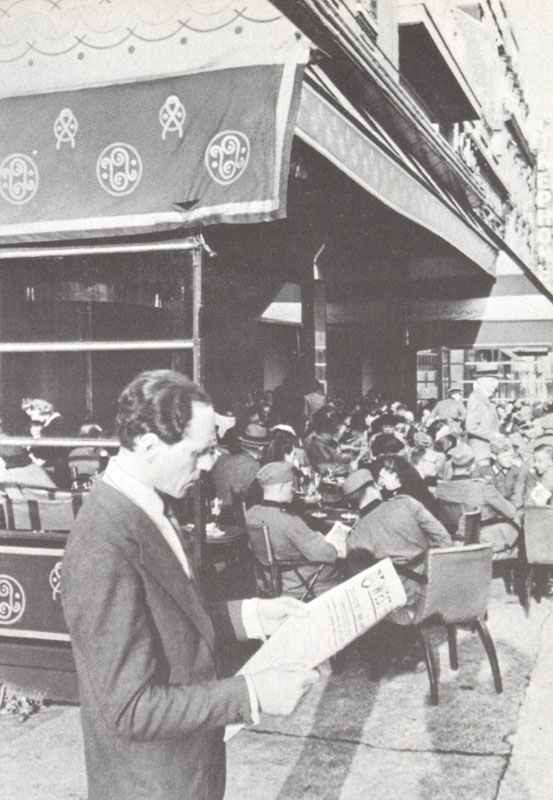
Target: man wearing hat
<point>291,538</point>
<point>400,528</point>
<point>503,472</point>
<point>482,421</point>
<point>499,517</point>
<point>451,409</point>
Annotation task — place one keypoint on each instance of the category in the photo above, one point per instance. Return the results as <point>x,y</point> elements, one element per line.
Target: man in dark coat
<point>144,639</point>
<point>400,528</point>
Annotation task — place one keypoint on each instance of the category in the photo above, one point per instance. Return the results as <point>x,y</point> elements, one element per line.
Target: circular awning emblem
<point>12,600</point>
<point>119,169</point>
<point>19,178</point>
<point>227,156</point>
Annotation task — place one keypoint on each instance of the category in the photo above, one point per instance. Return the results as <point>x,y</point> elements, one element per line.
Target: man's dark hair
<point>158,401</point>
<point>386,443</point>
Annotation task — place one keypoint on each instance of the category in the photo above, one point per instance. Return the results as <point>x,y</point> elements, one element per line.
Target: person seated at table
<point>421,478</point>
<point>321,446</point>
<point>45,422</point>
<point>387,444</point>
<point>359,491</point>
<point>281,446</point>
<point>499,517</point>
<point>87,461</point>
<point>291,538</point>
<point>398,527</point>
<point>17,467</point>
<point>443,447</point>
<point>542,494</point>
<point>234,471</point>
<point>508,477</point>
<point>542,459</point>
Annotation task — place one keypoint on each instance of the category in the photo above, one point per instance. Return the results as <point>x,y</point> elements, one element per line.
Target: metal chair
<point>269,570</point>
<point>538,542</point>
<point>457,583</point>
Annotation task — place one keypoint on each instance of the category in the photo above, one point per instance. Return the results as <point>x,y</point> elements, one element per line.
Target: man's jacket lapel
<point>160,562</point>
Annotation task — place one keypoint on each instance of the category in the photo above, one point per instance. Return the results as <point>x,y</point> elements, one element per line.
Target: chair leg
<point>452,645</point>
<point>432,665</point>
<point>528,581</point>
<point>522,589</point>
<point>489,647</point>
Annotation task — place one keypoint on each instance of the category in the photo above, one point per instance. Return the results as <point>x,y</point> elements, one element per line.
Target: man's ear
<point>147,445</point>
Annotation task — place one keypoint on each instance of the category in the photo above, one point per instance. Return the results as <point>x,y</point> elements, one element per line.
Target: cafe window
<point>525,372</point>
<point>75,329</point>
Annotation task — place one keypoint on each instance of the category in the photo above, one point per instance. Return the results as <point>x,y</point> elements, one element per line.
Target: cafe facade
<point>165,174</point>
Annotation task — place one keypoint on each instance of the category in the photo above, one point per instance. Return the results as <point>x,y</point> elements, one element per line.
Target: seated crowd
<point>401,471</point>
<point>285,454</point>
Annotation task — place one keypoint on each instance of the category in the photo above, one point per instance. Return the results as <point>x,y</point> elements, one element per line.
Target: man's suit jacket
<point>144,645</point>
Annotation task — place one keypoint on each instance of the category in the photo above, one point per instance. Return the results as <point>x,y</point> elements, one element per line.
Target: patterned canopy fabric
<point>188,150</point>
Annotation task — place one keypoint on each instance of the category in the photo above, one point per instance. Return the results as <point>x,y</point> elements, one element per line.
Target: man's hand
<point>272,613</point>
<point>280,690</point>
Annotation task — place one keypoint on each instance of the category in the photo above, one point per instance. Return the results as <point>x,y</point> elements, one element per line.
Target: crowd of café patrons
<point>285,455</point>
<point>396,470</point>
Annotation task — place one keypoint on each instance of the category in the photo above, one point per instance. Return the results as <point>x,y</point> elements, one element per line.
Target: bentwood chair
<point>456,587</point>
<point>538,545</point>
<point>269,570</point>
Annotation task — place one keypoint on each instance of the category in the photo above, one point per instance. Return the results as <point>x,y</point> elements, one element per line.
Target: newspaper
<point>337,537</point>
<point>334,619</point>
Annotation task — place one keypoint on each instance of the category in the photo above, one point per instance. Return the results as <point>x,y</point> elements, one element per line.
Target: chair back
<point>458,584</point>
<point>538,534</point>
<point>450,513</point>
<point>267,571</point>
<point>84,462</point>
<point>460,521</point>
<point>470,526</point>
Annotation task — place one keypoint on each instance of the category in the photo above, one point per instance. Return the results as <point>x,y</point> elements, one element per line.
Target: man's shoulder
<point>105,513</point>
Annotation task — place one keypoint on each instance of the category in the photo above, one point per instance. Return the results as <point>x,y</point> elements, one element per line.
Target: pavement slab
<point>360,734</point>
<point>279,767</point>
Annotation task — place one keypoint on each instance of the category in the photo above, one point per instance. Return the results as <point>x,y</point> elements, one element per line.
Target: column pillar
<point>313,297</point>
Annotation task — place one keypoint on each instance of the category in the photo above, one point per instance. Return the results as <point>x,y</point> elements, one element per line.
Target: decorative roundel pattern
<point>12,600</point>
<point>119,169</point>
<point>19,178</point>
<point>227,156</point>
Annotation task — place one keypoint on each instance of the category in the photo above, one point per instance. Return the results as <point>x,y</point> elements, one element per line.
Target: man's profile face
<point>178,465</point>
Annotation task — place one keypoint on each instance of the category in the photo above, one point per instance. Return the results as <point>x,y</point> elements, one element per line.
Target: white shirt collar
<point>141,495</point>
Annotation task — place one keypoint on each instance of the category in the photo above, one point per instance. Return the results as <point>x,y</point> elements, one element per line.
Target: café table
<point>227,544</point>
<point>322,518</point>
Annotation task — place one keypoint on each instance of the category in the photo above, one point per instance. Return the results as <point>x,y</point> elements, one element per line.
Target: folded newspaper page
<point>335,619</point>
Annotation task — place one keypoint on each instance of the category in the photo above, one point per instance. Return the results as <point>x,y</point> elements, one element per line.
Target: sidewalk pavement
<point>355,736</point>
